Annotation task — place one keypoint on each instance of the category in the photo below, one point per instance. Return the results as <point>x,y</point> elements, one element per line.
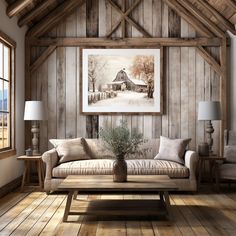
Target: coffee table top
<point>144,183</point>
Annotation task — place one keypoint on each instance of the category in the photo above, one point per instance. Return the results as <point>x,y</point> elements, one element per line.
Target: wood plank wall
<point>188,78</point>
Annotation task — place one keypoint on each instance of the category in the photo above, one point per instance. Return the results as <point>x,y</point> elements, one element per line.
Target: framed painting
<point>121,80</point>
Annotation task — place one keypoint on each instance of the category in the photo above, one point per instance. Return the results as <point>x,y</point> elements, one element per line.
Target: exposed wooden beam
<point>53,18</point>
<point>210,60</point>
<point>185,42</point>
<point>186,15</point>
<point>128,19</point>
<point>202,18</point>
<point>42,58</point>
<point>122,19</point>
<point>232,4</point>
<point>17,6</point>
<point>37,10</point>
<point>227,24</point>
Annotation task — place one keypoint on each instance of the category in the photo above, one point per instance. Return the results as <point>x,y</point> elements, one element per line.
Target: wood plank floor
<point>36,213</point>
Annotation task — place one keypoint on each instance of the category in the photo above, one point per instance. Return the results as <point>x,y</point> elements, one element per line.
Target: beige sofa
<point>141,163</point>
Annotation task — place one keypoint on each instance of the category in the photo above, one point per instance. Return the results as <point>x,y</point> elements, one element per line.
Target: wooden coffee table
<point>160,184</point>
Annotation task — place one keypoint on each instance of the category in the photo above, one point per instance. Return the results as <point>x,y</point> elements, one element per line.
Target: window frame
<point>11,44</point>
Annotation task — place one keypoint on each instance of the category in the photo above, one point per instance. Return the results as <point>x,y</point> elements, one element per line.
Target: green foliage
<point>120,141</point>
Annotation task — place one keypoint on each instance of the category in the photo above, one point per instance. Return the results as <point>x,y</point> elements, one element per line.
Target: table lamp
<point>208,111</point>
<point>34,111</point>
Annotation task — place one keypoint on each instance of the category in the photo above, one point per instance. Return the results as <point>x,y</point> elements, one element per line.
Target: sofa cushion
<point>71,150</point>
<point>172,149</point>
<point>230,154</point>
<point>135,167</point>
<point>96,149</point>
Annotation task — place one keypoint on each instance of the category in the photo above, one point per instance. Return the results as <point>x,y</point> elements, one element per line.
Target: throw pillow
<point>230,153</point>
<point>172,149</point>
<point>96,149</point>
<point>56,142</point>
<point>71,150</point>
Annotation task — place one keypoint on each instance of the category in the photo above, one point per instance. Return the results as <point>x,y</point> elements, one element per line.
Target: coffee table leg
<point>68,205</point>
<point>75,195</point>
<point>168,206</point>
<point>161,196</point>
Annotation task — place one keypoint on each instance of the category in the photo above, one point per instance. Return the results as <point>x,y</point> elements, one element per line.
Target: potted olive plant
<point>121,142</point>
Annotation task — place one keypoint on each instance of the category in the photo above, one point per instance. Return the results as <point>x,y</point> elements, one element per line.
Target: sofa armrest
<point>50,158</point>
<point>191,160</point>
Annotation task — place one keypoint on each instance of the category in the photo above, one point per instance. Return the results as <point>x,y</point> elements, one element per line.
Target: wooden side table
<point>213,168</point>
<point>40,169</point>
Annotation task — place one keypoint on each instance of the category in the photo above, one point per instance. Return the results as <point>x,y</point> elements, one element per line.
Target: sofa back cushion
<point>230,153</point>
<point>97,150</point>
<point>70,149</point>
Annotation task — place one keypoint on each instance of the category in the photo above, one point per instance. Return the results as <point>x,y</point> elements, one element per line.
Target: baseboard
<point>4,190</point>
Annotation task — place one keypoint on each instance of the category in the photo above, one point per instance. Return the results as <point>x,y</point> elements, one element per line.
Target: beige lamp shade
<point>34,110</point>
<point>209,110</point>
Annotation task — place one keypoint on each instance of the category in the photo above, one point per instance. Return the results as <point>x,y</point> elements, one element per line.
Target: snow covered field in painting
<point>126,98</point>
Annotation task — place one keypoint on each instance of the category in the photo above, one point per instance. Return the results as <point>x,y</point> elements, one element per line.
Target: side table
<point>40,170</point>
<point>213,167</point>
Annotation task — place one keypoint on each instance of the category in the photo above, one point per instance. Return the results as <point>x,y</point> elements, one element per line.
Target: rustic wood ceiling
<point>219,15</point>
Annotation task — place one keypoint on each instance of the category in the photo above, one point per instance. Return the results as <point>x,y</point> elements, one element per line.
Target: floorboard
<point>35,213</point>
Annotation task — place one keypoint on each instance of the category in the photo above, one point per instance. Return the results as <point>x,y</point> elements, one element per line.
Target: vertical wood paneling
<point>156,32</point>
<point>174,24</point>
<point>52,98</point>
<point>184,82</point>
<point>105,121</point>
<point>137,15</point>
<point>71,108</point>
<point>147,9</point>
<point>200,83</point>
<point>42,86</point>
<point>165,32</point>
<point>92,31</point>
<point>81,32</point>
<point>191,98</point>
<point>174,94</point>
<point>117,34</point>
<point>187,78</point>
<point>61,93</point>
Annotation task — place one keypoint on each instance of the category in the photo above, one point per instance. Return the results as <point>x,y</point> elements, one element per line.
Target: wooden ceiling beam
<point>227,24</point>
<point>186,15</point>
<point>129,20</point>
<point>41,59</point>
<point>54,17</point>
<point>210,60</point>
<point>232,4</point>
<point>17,7</point>
<point>36,11</point>
<point>123,18</point>
<point>154,42</point>
<point>202,18</point>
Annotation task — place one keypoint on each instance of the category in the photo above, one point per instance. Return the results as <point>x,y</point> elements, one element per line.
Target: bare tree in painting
<point>95,69</point>
<point>143,68</point>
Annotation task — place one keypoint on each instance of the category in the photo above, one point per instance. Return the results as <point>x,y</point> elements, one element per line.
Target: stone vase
<point>120,169</point>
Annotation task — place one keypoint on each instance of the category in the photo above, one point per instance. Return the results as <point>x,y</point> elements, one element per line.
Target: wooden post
<point>27,89</point>
<point>223,92</point>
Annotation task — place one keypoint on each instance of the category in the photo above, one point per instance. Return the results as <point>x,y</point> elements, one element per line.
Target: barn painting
<point>121,80</point>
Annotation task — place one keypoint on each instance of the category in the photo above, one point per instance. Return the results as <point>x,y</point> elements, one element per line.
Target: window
<point>7,48</point>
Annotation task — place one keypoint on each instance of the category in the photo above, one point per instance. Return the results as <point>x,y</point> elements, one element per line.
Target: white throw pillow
<point>172,149</point>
